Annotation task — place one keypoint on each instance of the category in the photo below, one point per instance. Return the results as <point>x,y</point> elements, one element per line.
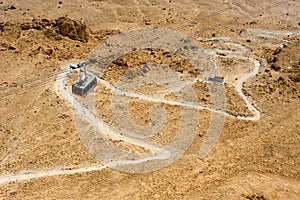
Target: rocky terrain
<point>254,158</point>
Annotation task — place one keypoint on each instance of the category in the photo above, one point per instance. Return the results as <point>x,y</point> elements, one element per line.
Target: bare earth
<point>42,155</point>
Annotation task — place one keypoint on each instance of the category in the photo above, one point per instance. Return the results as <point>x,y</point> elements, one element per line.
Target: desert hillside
<point>155,126</point>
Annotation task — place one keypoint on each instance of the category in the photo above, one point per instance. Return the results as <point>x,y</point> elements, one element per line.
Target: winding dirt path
<point>163,154</point>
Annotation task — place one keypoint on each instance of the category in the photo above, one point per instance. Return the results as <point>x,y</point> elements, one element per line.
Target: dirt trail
<point>164,154</point>
<point>256,45</point>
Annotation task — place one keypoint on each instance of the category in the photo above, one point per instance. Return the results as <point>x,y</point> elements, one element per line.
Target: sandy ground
<point>256,46</point>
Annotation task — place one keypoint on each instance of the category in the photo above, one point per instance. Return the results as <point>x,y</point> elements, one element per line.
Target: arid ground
<point>257,156</point>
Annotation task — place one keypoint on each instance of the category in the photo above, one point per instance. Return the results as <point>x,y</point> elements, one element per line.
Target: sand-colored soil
<point>42,155</point>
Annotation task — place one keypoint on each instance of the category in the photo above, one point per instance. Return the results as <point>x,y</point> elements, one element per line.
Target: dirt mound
<point>73,29</point>
<point>62,26</point>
